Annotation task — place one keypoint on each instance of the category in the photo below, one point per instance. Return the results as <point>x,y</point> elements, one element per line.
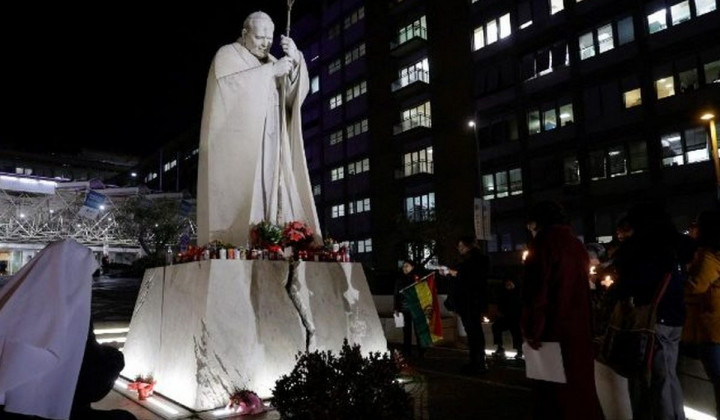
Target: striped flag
<point>422,302</point>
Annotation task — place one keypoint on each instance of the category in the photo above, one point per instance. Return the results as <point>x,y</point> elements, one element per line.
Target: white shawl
<point>44,319</point>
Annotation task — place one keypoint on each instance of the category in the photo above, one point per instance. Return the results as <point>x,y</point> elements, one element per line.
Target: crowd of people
<point>571,293</point>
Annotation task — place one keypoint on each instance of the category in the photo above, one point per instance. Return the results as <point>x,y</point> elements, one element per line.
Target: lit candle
<point>607,281</point>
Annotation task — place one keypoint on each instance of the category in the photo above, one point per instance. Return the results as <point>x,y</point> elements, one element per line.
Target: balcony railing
<point>414,168</point>
<point>412,77</point>
<point>412,122</point>
<point>420,215</point>
<point>408,34</point>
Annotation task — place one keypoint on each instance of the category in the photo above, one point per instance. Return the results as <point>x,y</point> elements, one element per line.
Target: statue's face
<point>259,37</point>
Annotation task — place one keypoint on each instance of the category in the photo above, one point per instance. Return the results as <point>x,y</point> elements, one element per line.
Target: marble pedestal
<point>204,328</point>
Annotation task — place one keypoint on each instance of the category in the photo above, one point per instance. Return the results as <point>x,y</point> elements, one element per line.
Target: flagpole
<point>422,279</point>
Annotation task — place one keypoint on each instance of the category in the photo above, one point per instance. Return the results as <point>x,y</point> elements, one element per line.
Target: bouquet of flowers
<point>297,234</point>
<point>329,244</point>
<point>266,234</point>
<point>244,401</point>
<point>143,385</point>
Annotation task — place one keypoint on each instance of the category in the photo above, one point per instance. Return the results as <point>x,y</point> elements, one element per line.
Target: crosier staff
<point>283,121</point>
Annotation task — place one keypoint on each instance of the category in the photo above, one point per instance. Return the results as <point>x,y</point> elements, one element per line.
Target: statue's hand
<point>290,49</point>
<point>283,67</point>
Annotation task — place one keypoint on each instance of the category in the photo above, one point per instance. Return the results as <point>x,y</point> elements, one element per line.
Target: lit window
<point>334,66</point>
<point>420,208</point>
<point>491,31</point>
<point>556,6</point>
<point>657,21</point>
<point>337,173</point>
<point>488,187</point>
<point>712,72</point>
<point>672,152</point>
<point>549,120</point>
<point>587,46</point>
<point>665,87</point>
<point>314,84</point>
<point>632,98</point>
<point>696,145</point>
<point>605,38</point>
<point>680,12</point>
<point>502,184</point>
<point>566,115</point>
<point>336,101</point>
<point>534,122</point>
<point>317,189</point>
<point>479,38</point>
<point>704,6</point>
<point>505,28</point>
<point>420,161</point>
<point>355,91</point>
<point>336,137</point>
<point>338,211</point>
<point>617,162</point>
<point>354,54</point>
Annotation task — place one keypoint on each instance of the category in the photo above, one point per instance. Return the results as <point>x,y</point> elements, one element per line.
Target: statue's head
<point>257,34</point>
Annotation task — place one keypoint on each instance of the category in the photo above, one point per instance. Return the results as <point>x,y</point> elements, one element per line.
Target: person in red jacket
<point>556,308</point>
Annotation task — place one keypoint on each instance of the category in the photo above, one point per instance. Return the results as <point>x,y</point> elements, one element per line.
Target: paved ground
<point>442,393</point>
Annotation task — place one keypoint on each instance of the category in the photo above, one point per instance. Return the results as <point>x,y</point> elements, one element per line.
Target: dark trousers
<point>408,330</point>
<point>503,324</point>
<point>472,321</point>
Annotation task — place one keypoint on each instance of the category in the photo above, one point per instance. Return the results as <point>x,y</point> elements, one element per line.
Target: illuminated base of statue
<point>202,329</point>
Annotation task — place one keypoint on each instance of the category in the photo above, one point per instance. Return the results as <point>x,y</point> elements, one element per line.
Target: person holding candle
<point>702,297</point>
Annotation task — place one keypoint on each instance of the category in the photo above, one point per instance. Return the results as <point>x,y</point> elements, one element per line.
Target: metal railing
<point>412,122</point>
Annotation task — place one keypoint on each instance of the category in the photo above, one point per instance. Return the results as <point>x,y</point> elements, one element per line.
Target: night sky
<point>116,76</point>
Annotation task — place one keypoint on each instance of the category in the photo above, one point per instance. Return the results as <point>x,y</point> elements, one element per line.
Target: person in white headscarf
<point>44,328</point>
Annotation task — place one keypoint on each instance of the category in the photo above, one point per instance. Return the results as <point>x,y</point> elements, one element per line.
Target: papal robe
<point>252,165</point>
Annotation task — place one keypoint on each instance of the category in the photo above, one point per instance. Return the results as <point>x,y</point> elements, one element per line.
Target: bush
<point>323,386</point>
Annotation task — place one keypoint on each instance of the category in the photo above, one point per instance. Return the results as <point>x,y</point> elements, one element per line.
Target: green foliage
<point>154,222</point>
<point>323,386</point>
<point>268,233</point>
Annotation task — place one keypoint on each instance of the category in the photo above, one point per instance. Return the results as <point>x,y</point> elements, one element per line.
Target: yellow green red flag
<point>422,302</point>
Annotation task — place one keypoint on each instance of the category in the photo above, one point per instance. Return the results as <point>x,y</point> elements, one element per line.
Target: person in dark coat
<point>642,262</point>
<point>470,299</point>
<point>508,319</point>
<point>410,274</point>
<point>556,308</point>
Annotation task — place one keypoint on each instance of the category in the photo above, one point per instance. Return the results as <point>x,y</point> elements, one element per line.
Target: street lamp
<point>473,125</point>
<point>710,118</point>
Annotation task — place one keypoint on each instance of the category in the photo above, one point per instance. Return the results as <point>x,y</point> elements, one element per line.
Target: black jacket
<point>470,289</point>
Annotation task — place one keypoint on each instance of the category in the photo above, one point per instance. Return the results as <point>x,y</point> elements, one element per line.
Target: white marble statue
<point>252,164</point>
